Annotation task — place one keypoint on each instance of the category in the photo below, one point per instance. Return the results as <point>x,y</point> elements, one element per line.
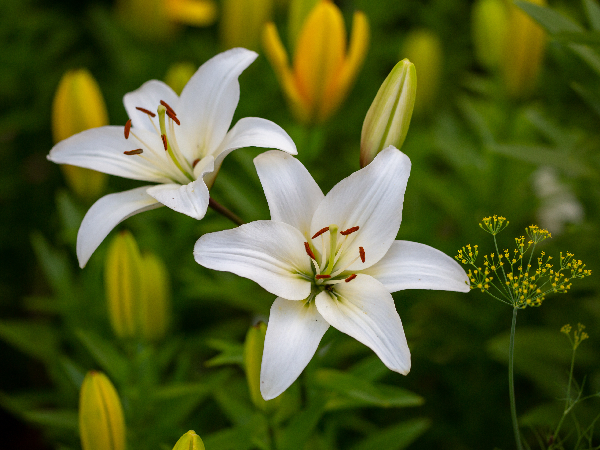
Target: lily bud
<point>123,284</point>
<point>155,305</point>
<point>179,74</point>
<point>523,51</point>
<point>160,19</point>
<point>424,49</point>
<point>297,13</point>
<point>388,118</point>
<point>489,27</point>
<point>242,22</point>
<point>253,350</point>
<point>78,105</point>
<point>101,422</point>
<point>323,71</point>
<point>189,441</point>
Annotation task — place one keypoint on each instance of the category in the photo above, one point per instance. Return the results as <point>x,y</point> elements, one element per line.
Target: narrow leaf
<point>396,437</point>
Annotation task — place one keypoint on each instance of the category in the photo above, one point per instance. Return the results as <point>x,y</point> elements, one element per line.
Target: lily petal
<point>364,309</point>
<point>292,193</point>
<point>270,253</point>
<point>293,335</point>
<point>106,214</point>
<point>148,96</point>
<point>190,199</point>
<point>102,148</point>
<point>410,265</point>
<point>253,132</point>
<point>372,199</point>
<point>208,101</point>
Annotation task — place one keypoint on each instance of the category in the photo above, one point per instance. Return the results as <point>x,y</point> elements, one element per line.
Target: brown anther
<point>309,252</point>
<point>320,232</point>
<point>145,111</point>
<point>349,231</point>
<point>137,151</point>
<point>164,139</point>
<point>173,117</point>
<point>362,253</point>
<point>127,128</point>
<point>350,278</point>
<point>196,161</point>
<point>166,105</point>
<point>320,277</point>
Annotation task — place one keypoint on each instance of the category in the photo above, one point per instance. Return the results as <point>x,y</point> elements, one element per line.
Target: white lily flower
<point>331,260</point>
<point>178,142</point>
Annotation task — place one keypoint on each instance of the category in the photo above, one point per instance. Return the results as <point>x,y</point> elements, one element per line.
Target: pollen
<point>137,151</point>
<point>196,161</point>
<point>349,231</point>
<point>309,252</point>
<point>173,117</point>
<point>350,278</point>
<point>127,129</point>
<point>166,105</point>
<point>362,254</point>
<point>145,111</point>
<point>321,277</point>
<point>320,232</point>
<point>164,139</point>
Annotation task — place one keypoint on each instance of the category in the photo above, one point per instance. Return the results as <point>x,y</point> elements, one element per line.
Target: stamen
<point>320,232</point>
<point>196,161</point>
<point>164,139</point>
<point>145,111</point>
<point>321,277</point>
<point>309,252</point>
<point>350,278</point>
<point>165,104</point>
<point>349,231</point>
<point>362,253</point>
<point>173,117</point>
<point>137,151</point>
<point>127,128</point>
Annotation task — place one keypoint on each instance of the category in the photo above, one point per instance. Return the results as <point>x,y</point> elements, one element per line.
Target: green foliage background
<point>473,155</point>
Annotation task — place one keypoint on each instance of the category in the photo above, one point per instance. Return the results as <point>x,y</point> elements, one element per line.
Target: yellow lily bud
<point>242,22</point>
<point>123,284</point>
<point>101,422</point>
<point>323,71</point>
<point>179,74</point>
<point>78,105</point>
<point>189,441</point>
<point>388,118</point>
<point>155,307</point>
<point>424,49</point>
<point>489,26</point>
<point>523,51</point>
<point>297,14</point>
<point>137,290</point>
<point>160,19</point>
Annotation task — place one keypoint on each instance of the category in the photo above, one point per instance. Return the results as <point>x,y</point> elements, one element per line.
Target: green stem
<point>568,403</point>
<point>511,381</point>
<point>225,212</point>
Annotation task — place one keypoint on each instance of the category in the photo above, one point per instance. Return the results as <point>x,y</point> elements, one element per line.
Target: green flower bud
<point>253,350</point>
<point>424,49</point>
<point>242,22</point>
<point>179,74</point>
<point>155,307</point>
<point>101,423</point>
<point>489,27</point>
<point>189,441</point>
<point>388,118</point>
<point>78,106</point>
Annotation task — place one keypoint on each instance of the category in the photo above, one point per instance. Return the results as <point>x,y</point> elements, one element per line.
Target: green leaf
<point>75,373</point>
<point>38,340</point>
<point>584,38</point>
<point>54,264</point>
<point>54,418</point>
<point>301,427</point>
<point>396,437</point>
<point>108,357</point>
<point>361,392</point>
<point>549,19</point>
<point>592,9</point>
<point>231,353</point>
<point>590,97</point>
<point>245,437</point>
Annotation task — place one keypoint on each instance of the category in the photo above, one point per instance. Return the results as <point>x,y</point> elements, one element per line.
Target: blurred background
<point>506,121</point>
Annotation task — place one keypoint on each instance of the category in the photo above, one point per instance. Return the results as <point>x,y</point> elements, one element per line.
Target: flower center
<point>325,274</point>
<point>176,164</point>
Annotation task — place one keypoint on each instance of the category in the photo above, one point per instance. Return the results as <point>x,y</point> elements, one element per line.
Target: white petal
<point>372,199</point>
<point>190,199</point>
<point>253,132</point>
<point>365,310</point>
<point>410,265</point>
<point>208,101</point>
<point>292,193</point>
<point>148,96</point>
<point>293,335</point>
<point>106,214</point>
<point>269,253</point>
<point>102,149</point>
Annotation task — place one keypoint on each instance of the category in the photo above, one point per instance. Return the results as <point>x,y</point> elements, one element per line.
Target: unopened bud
<point>489,26</point>
<point>388,118</point>
<point>179,74</point>
<point>242,22</point>
<point>155,305</point>
<point>253,350</point>
<point>189,441</point>
<point>101,422</point>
